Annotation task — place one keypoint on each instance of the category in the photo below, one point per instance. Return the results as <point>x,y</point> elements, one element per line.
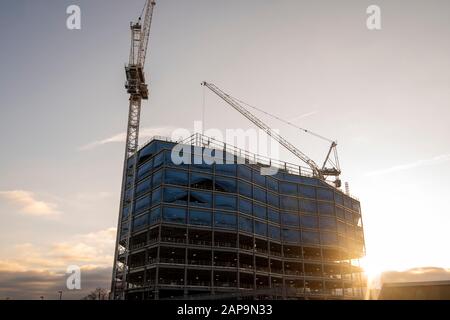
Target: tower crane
<point>321,172</point>
<point>137,88</point>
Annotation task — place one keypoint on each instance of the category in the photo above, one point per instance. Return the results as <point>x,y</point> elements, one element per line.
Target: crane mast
<point>137,88</point>
<point>321,173</point>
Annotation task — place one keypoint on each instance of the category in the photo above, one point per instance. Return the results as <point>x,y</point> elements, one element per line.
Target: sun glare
<point>372,269</point>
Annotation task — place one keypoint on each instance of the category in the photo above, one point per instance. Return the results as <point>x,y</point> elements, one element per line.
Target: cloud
<point>120,137</point>
<point>31,285</point>
<point>40,270</point>
<point>419,163</point>
<point>90,250</point>
<point>29,204</point>
<point>417,275</point>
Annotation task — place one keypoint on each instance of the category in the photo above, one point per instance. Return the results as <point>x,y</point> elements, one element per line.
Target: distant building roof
<point>425,290</point>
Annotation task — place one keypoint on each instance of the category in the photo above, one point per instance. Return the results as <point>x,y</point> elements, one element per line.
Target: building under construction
<point>225,230</point>
<point>229,229</point>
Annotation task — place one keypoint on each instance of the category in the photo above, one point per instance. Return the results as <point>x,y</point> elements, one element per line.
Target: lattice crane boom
<point>146,32</point>
<point>137,88</point>
<point>321,173</point>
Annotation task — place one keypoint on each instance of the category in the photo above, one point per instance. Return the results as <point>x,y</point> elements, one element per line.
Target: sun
<point>372,268</point>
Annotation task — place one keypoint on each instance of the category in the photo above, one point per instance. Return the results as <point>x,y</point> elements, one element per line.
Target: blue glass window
<point>157,179</point>
<point>143,187</point>
<point>245,206</point>
<point>156,196</point>
<point>310,181</point>
<point>327,223</point>
<point>163,145</point>
<point>310,237</point>
<point>325,208</point>
<point>259,179</point>
<point>259,194</point>
<point>288,203</point>
<point>147,152</point>
<point>272,184</point>
<point>225,202</point>
<point>225,185</point>
<point>261,228</point>
<point>200,218</point>
<point>201,199</point>
<point>174,215</point>
<point>329,238</point>
<point>293,178</point>
<point>339,198</point>
<point>144,170</point>
<point>244,172</point>
<point>290,219</point>
<point>274,232</point>
<point>356,206</point>
<point>124,228</point>
<point>288,188</point>
<point>347,202</point>
<point>226,169</point>
<point>245,224</point>
<point>142,204</point>
<point>177,177</point>
<point>245,189</point>
<point>125,212</point>
<point>307,191</point>
<point>325,194</point>
<point>309,206</point>
<point>140,222</point>
<point>309,222</point>
<point>128,195</point>
<point>341,227</point>
<point>273,199</point>
<point>340,212</point>
<point>202,167</point>
<point>273,215</point>
<point>259,211</point>
<point>225,220</point>
<point>290,235</point>
<point>348,216</point>
<point>175,195</point>
<point>155,215</point>
<point>129,180</point>
<point>201,181</point>
<point>159,160</point>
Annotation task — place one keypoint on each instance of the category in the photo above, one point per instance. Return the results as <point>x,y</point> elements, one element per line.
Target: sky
<point>383,95</point>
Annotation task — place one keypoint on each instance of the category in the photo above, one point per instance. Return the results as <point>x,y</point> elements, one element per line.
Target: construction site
<point>230,230</point>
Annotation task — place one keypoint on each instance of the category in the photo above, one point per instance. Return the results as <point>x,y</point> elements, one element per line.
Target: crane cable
<point>203,111</point>
<point>285,121</point>
<point>143,9</point>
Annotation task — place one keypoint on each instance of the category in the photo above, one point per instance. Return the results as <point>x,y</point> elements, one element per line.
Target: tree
<point>97,294</point>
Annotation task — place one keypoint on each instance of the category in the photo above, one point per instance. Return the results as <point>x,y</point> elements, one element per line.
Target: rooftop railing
<point>242,156</point>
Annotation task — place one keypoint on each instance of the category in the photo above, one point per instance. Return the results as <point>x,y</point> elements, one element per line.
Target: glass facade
<point>200,229</point>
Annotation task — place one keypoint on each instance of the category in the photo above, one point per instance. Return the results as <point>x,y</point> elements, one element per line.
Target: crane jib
<point>322,173</point>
